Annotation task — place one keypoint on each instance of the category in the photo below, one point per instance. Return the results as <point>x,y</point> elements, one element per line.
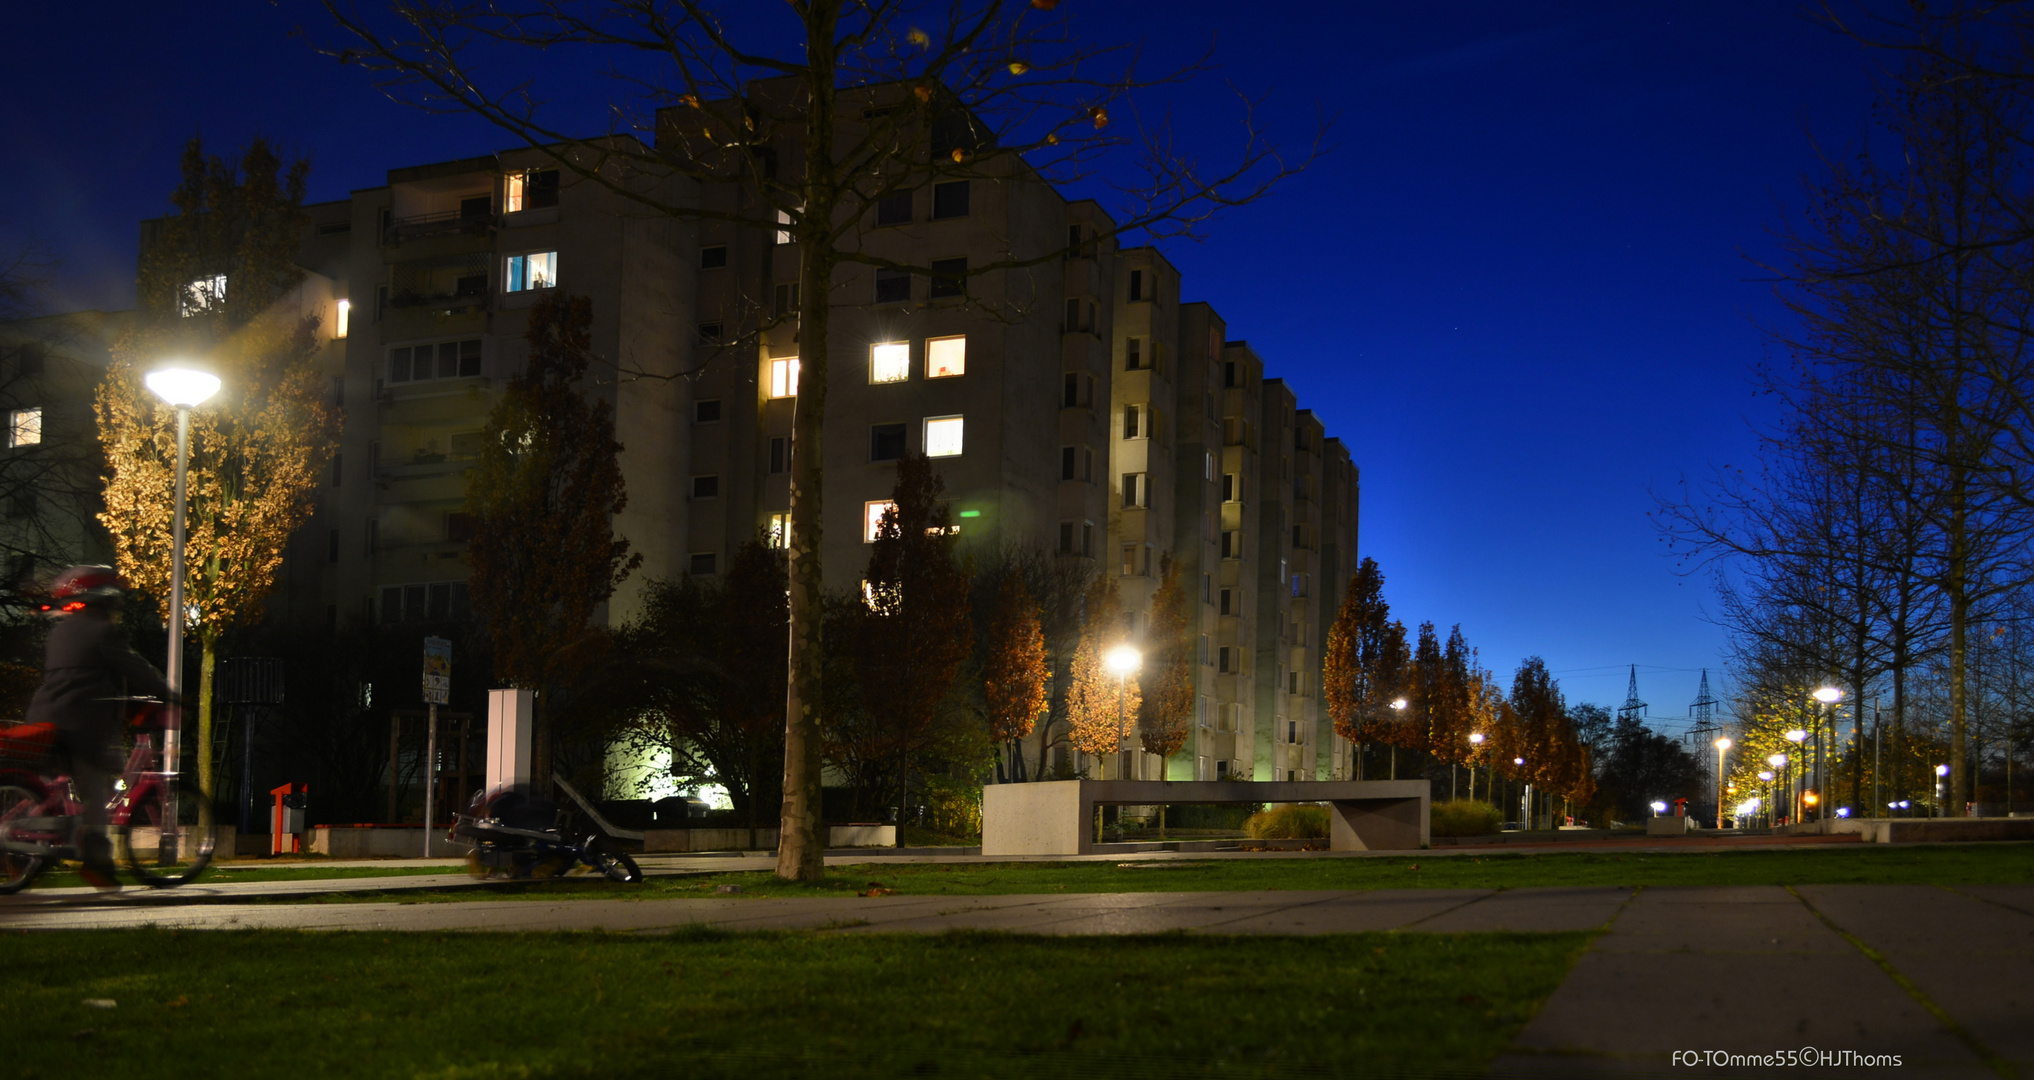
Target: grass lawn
<point>1972,864</point>
<point>710,1004</point>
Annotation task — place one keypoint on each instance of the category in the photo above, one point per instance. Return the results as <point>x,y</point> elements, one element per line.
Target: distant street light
<point>1121,661</point>
<point>1722,745</point>
<point>1941,780</point>
<point>1658,807</point>
<point>183,387</point>
<point>1829,696</point>
<point>1475,744</point>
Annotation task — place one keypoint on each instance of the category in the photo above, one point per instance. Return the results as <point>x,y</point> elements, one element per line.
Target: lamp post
<point>1794,775</point>
<point>1767,776</point>
<point>1941,778</point>
<point>184,387</point>
<point>1828,696</point>
<point>1475,744</point>
<point>1722,745</point>
<point>1779,764</point>
<point>1398,705</point>
<point>1121,662</point>
<point>1525,808</point>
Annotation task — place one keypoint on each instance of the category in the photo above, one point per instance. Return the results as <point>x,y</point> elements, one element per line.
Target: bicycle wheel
<point>168,839</point>
<point>612,861</point>
<point>17,869</point>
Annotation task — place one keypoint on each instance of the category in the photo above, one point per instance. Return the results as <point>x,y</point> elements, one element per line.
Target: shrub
<point>1465,817</point>
<point>952,807</point>
<point>1291,821</point>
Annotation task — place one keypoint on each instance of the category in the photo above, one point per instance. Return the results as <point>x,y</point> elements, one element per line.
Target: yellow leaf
<point>1019,67</point>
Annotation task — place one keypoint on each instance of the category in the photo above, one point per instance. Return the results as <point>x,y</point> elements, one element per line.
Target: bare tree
<point>837,105</point>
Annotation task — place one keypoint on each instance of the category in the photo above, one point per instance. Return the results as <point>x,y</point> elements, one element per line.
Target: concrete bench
<point>1057,817</point>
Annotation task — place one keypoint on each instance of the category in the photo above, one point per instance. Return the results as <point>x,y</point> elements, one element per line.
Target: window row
<point>949,200</point>
<point>436,601</point>
<point>438,360</point>
<point>949,280</point>
<point>945,358</point>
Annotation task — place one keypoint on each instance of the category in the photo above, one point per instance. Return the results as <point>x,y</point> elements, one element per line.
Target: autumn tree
<point>1015,679</point>
<point>1365,663</point>
<point>543,497</point>
<point>1100,704</point>
<point>815,114</point>
<point>211,286</point>
<point>1165,710</point>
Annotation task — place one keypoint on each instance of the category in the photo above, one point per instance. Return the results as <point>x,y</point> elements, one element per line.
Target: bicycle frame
<point>60,805</point>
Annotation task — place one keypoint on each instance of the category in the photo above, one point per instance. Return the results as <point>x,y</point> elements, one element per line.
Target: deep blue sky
<point>1518,288</point>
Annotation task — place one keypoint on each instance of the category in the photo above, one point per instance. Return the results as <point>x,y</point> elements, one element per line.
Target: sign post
<point>437,691</point>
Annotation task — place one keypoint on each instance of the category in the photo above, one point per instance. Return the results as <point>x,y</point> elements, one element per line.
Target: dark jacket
<point>88,666</point>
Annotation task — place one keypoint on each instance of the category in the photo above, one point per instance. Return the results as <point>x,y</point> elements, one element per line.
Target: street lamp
<point>1121,662</point>
<point>1525,809</point>
<point>1796,736</point>
<point>1829,696</point>
<point>1722,745</point>
<point>183,386</point>
<point>1767,776</point>
<point>1475,744</point>
<point>1941,778</point>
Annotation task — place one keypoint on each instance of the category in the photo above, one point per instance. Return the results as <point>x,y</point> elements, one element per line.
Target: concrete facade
<point>1057,817</point>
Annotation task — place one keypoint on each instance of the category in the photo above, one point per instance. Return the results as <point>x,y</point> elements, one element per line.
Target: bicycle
<point>160,822</point>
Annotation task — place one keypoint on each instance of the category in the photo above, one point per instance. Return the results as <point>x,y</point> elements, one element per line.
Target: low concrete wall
<point>837,836</point>
<point>379,841</point>
<point>1057,817</point>
<point>1934,830</point>
<point>1669,826</point>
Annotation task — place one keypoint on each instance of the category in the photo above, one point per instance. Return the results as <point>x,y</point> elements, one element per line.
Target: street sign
<point>437,671</point>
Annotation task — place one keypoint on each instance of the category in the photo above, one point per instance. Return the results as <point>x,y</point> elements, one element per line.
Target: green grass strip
<point>1992,1060</point>
<point>716,1004</point>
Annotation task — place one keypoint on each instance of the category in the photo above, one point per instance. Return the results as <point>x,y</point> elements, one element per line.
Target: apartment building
<point>1074,403</point>
<point>49,451</point>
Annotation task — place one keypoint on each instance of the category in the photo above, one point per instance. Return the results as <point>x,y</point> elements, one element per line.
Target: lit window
<point>529,189</point>
<point>537,270</point>
<point>872,519</point>
<point>203,295</point>
<point>783,221</point>
<point>946,356</point>
<point>942,436</point>
<point>890,362</point>
<point>780,530</point>
<point>342,316</point>
<point>784,377</point>
<point>24,427</point>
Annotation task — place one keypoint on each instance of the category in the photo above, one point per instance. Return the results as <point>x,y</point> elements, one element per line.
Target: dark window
<point>1228,487</point>
<point>706,487</point>
<point>1229,373</point>
<point>706,412</point>
<point>332,546</point>
<point>1073,241</point>
<point>1066,538</point>
<point>1222,663</point>
<point>414,598</point>
<point>1228,606</point>
<point>886,442</point>
<point>894,209</point>
<point>337,470</point>
<point>709,333</point>
<point>1133,353</point>
<point>892,287</point>
<point>1071,394</point>
<point>1066,463</point>
<point>705,563</point>
<point>1073,315</point>
<point>950,200</point>
<point>1296,535</point>
<point>478,206</point>
<point>1136,284</point>
<point>470,285</point>
<point>1088,539</point>
<point>373,534</point>
<point>1132,414</point>
<point>339,391</point>
<point>949,278</point>
<point>1088,464</point>
<point>439,605</point>
<point>713,258</point>
<point>780,455</point>
<point>31,358</point>
<point>458,527</point>
<point>787,297</point>
<point>1232,544</point>
<point>541,189</point>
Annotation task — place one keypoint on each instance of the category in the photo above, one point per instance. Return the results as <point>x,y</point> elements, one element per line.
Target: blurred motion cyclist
<point>89,669</point>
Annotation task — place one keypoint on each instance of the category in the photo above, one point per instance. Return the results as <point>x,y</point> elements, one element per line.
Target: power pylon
<point>1633,709</point>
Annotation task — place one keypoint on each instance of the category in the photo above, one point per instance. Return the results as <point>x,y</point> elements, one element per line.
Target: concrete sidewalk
<point>1759,970</point>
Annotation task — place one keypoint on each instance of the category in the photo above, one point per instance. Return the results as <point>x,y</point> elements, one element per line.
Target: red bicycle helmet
<point>84,585</point>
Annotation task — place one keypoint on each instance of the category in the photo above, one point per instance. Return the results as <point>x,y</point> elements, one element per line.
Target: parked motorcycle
<point>518,833</point>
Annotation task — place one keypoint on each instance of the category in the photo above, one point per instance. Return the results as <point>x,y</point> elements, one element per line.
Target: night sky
<point>1522,288</point>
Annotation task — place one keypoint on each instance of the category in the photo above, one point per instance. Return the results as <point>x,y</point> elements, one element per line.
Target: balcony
<point>466,221</point>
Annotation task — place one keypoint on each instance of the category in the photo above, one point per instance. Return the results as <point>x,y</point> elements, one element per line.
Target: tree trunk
<point>209,652</point>
<point>801,841</point>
